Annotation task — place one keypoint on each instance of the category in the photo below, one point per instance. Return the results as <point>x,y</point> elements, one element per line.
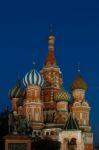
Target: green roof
<point>62,95</point>
<point>71,123</point>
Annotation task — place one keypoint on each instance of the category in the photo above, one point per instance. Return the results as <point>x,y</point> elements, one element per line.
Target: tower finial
<point>51,39</point>
<point>51,60</point>
<point>33,62</point>
<point>78,67</point>
<point>18,77</point>
<point>51,28</point>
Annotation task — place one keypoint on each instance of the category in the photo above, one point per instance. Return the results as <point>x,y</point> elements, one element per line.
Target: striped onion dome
<point>17,91</point>
<point>62,95</point>
<point>33,78</point>
<point>79,83</point>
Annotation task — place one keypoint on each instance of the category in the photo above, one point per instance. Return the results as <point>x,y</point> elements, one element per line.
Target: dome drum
<point>14,104</point>
<point>33,92</point>
<point>19,102</point>
<point>62,106</point>
<point>79,94</point>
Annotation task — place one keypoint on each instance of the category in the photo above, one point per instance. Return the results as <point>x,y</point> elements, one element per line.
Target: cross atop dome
<point>78,67</point>
<point>33,60</point>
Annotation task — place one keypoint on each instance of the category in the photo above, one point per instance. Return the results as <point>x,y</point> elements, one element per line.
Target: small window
<point>34,132</point>
<point>47,133</point>
<point>52,133</point>
<point>80,115</point>
<point>39,133</point>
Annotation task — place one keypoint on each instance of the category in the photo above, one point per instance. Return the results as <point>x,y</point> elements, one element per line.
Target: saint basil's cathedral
<point>48,107</point>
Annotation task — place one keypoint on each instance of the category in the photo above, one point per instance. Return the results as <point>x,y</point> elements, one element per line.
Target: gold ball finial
<point>18,77</point>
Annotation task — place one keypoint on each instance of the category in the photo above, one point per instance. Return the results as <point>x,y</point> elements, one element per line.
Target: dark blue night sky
<point>24,29</point>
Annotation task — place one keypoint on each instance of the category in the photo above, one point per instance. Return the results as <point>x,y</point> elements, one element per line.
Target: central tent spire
<point>51,41</point>
<point>51,60</point>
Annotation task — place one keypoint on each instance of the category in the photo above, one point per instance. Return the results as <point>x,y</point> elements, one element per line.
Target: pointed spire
<point>33,62</point>
<point>51,41</point>
<point>18,78</point>
<point>51,60</point>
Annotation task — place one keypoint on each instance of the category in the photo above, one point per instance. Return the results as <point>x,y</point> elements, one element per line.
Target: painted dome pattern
<point>17,91</point>
<point>33,78</point>
<point>62,95</point>
<point>79,83</point>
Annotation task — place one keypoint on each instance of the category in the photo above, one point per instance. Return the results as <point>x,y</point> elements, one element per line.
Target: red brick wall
<point>88,147</point>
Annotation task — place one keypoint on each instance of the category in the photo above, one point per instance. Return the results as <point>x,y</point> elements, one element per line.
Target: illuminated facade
<point>48,107</point>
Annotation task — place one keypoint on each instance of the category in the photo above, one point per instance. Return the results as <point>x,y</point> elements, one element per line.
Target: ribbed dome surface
<point>17,91</point>
<point>79,83</point>
<point>62,95</point>
<point>33,78</point>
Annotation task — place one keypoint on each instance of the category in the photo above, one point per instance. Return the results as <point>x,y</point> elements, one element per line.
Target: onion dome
<point>62,95</point>
<point>79,83</point>
<point>17,91</point>
<point>33,78</point>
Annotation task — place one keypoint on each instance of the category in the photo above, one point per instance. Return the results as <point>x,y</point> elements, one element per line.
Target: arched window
<point>52,132</point>
<point>72,145</point>
<point>37,114</point>
<point>76,104</point>
<point>47,133</point>
<point>85,104</point>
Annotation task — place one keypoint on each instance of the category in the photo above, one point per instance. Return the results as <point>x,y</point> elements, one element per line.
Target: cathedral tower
<point>52,77</point>
<point>48,108</point>
<point>62,98</point>
<point>80,106</point>
<point>16,95</point>
<point>81,109</point>
<point>32,104</point>
<point>71,137</point>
